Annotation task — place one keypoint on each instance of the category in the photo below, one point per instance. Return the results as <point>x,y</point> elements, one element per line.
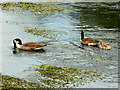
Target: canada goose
<point>27,46</point>
<point>88,41</point>
<point>104,46</point>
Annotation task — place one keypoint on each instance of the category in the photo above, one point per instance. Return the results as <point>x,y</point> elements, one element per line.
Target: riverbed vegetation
<point>47,33</point>
<point>41,8</point>
<point>60,77</point>
<point>53,77</point>
<point>13,82</point>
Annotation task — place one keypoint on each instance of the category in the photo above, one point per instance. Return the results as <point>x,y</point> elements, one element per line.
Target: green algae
<point>47,33</point>
<point>59,77</point>
<point>44,8</point>
<point>13,82</point>
<point>54,77</point>
<point>0,81</point>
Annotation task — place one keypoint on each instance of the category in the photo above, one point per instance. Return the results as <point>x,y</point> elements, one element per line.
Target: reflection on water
<point>98,20</point>
<point>104,15</point>
<point>15,51</point>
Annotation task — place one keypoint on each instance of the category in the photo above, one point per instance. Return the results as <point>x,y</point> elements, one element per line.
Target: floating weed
<point>46,33</point>
<point>34,7</point>
<point>12,82</point>
<point>60,77</point>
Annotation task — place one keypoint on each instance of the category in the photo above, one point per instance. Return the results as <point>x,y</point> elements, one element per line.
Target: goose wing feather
<point>89,40</point>
<point>31,45</point>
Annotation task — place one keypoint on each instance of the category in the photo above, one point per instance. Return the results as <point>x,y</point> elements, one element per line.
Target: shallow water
<point>96,20</point>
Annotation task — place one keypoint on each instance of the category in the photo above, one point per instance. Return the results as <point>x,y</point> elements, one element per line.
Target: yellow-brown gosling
<point>104,46</point>
<point>88,41</point>
<point>27,46</point>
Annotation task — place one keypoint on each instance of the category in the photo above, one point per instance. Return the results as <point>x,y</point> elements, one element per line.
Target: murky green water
<point>98,20</point>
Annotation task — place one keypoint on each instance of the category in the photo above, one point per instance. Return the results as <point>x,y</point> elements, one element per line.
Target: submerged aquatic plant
<point>47,33</point>
<point>53,77</point>
<point>59,77</point>
<point>13,82</point>
<point>41,8</point>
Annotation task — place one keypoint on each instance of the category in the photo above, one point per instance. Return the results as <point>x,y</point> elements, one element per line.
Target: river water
<point>98,21</point>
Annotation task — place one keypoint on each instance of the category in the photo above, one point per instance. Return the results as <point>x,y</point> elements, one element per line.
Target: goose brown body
<point>31,45</point>
<point>104,46</point>
<point>88,41</point>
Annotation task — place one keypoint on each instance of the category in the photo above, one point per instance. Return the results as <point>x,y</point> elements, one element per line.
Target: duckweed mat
<point>62,77</point>
<point>44,8</point>
<point>47,33</point>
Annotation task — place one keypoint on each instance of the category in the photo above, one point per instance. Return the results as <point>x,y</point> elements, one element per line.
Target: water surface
<point>98,20</point>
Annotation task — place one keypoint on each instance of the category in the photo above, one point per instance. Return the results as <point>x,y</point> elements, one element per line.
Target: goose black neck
<point>14,44</point>
<point>82,35</point>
